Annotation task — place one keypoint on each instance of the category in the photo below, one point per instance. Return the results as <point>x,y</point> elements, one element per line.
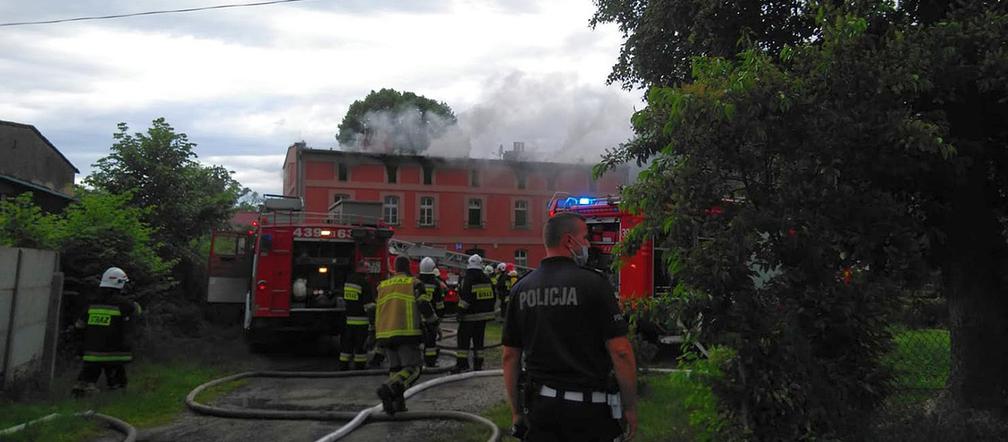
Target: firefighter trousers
<point>431,350</point>
<point>352,346</point>
<point>115,373</point>
<point>470,335</point>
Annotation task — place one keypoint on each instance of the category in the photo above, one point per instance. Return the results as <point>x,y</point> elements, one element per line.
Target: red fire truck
<point>289,266</point>
<point>641,275</point>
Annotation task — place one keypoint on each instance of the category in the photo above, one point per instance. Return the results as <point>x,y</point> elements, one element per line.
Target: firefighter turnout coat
<point>476,300</point>
<point>359,298</point>
<point>105,322</point>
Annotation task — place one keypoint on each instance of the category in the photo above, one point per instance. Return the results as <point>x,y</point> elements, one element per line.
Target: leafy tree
<point>24,224</point>
<point>403,121</point>
<point>249,200</point>
<point>159,170</point>
<point>849,164</point>
<point>104,230</point>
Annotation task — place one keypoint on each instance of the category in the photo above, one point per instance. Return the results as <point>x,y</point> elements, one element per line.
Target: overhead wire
<point>138,14</point>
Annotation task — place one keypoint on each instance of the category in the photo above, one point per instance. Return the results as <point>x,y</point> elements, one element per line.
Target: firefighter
<point>509,282</point>
<point>498,284</point>
<point>104,324</point>
<point>432,295</point>
<point>439,302</point>
<point>476,307</point>
<point>358,296</point>
<point>563,319</point>
<point>398,330</point>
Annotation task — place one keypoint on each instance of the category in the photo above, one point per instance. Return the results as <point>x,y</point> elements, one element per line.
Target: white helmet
<point>488,270</point>
<point>501,267</point>
<point>114,277</point>
<point>513,273</point>
<point>427,266</point>
<point>475,262</point>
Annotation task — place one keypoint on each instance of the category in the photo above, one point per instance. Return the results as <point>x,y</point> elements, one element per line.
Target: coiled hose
<point>356,419</point>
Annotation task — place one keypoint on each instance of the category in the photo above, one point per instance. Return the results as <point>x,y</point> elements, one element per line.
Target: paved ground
<point>343,394</point>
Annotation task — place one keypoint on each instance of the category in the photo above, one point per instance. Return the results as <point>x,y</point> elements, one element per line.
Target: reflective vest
<point>396,314</point>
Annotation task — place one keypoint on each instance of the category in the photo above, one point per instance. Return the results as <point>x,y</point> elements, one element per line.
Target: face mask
<point>580,256</point>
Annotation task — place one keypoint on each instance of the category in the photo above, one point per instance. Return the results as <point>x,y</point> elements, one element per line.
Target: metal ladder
<point>443,257</point>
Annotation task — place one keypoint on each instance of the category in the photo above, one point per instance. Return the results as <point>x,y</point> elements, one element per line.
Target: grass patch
<point>156,394</point>
<point>920,361</point>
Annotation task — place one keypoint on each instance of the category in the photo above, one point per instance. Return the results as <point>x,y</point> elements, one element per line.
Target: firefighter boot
<point>430,360</point>
<point>461,364</point>
<point>343,366</point>
<point>359,365</point>
<point>84,389</point>
<point>376,360</point>
<point>388,399</point>
<point>478,363</point>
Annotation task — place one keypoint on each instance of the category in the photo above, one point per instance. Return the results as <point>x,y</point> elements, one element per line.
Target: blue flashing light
<point>584,201</point>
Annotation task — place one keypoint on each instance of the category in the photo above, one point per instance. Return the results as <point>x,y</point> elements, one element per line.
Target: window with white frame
<point>390,210</point>
<point>521,214</point>
<point>521,257</point>
<point>426,211</point>
<point>475,213</point>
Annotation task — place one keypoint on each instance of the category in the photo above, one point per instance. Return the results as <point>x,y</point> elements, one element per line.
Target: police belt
<point>592,397</point>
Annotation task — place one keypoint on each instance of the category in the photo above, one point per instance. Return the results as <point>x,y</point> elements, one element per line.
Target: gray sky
<point>246,83</point>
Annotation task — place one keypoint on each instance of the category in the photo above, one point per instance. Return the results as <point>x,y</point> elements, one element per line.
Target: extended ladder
<point>443,257</point>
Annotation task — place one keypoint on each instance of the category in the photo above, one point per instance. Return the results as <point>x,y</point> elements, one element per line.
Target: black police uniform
<point>561,316</point>
<point>432,295</point>
<point>476,307</point>
<point>358,295</point>
<point>105,345</point>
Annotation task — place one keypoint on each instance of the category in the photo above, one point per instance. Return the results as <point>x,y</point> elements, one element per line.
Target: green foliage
<point>104,230</point>
<point>827,163</point>
<point>159,170</point>
<point>23,224</point>
<point>408,121</point>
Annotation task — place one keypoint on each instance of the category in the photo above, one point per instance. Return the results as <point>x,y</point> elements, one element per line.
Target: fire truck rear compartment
<point>319,269</point>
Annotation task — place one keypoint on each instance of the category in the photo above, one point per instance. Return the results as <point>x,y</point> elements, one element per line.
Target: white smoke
<point>557,119</point>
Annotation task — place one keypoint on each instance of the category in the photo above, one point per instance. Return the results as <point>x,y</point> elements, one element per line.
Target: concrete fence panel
<point>27,320</point>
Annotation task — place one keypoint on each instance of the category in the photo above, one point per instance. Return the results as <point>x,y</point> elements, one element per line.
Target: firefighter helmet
<point>114,278</point>
<point>488,270</point>
<point>501,267</point>
<point>475,262</point>
<point>513,273</point>
<point>509,267</point>
<point>427,266</point>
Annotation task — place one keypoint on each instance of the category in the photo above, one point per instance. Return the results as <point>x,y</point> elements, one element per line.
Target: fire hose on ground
<point>356,419</point>
<point>128,431</point>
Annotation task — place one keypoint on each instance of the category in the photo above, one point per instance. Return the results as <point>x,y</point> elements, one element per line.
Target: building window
<point>342,172</point>
<point>390,210</point>
<point>427,211</point>
<point>475,218</point>
<point>521,257</point>
<point>521,214</point>
<point>521,178</point>
<point>391,172</point>
<point>428,174</point>
<point>474,178</point>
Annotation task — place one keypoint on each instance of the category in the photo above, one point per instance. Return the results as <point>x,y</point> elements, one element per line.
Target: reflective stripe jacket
<point>105,328</point>
<point>358,296</point>
<point>432,299</point>
<point>476,299</point>
<point>397,318</point>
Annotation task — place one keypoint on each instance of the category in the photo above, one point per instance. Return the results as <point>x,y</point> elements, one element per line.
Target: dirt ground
<point>343,394</point>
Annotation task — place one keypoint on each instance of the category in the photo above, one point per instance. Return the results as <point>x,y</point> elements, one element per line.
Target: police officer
<point>358,296</point>
<point>432,294</point>
<point>398,331</point>
<point>565,321</point>
<point>104,323</point>
<point>476,307</point>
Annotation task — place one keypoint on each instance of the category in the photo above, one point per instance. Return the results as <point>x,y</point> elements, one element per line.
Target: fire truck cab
<point>289,267</point>
<point>641,275</point>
